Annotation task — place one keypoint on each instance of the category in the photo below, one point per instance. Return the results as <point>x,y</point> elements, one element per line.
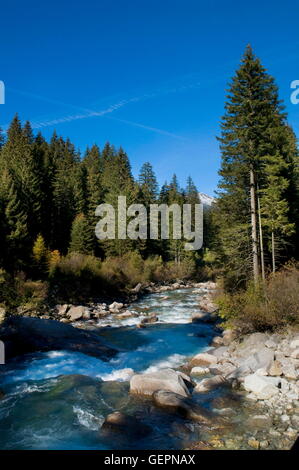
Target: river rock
<point>150,319</point>
<point>288,366</point>
<point>222,369</point>
<point>228,336</point>
<point>275,369</point>
<point>62,309</point>
<point>185,407</point>
<point>259,422</point>
<point>115,307</point>
<point>122,423</point>
<point>76,313</point>
<point>295,354</point>
<point>203,317</point>
<point>126,314</point>
<point>203,359</point>
<point>206,385</point>
<point>165,379</point>
<point>294,344</point>
<point>137,288</point>
<point>199,370</point>
<point>217,341</point>
<point>263,387</point>
<point>220,353</point>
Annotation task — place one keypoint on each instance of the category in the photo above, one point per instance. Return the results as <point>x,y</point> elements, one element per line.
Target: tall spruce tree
<point>253,115</point>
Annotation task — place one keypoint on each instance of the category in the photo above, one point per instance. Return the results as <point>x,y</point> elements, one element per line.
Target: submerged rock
<point>185,407</point>
<point>122,423</point>
<point>165,379</point>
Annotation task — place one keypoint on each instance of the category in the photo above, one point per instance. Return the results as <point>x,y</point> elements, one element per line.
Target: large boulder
<point>257,359</point>
<point>203,359</point>
<point>185,407</point>
<point>165,379</point>
<point>263,387</point>
<point>121,423</point>
<point>27,334</point>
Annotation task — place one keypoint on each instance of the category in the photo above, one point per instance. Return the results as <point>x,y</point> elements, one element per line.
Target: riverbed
<point>59,399</point>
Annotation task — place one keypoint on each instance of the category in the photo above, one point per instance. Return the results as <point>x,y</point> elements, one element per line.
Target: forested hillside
<point>49,193</point>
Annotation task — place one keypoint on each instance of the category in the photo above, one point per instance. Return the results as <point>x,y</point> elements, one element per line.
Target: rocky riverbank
<point>119,308</point>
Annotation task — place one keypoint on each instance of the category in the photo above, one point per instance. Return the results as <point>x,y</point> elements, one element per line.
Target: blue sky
<point>148,75</point>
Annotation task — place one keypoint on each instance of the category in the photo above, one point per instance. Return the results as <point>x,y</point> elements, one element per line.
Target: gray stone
<point>137,288</point>
<point>185,407</point>
<point>165,379</point>
<point>295,343</point>
<point>275,369</point>
<point>259,422</point>
<point>295,354</point>
<point>203,359</point>
<point>206,385</point>
<point>76,313</point>
<point>222,369</point>
<point>115,307</point>
<point>263,387</point>
<point>199,370</point>
<point>220,353</point>
<point>62,309</point>
<point>257,360</point>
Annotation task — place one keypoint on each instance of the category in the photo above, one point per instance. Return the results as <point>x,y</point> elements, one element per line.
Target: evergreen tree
<point>253,115</point>
<point>81,236</point>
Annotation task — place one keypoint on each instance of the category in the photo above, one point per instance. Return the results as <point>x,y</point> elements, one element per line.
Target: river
<point>59,399</point>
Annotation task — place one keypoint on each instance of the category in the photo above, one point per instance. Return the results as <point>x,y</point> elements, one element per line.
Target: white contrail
<point>88,113</point>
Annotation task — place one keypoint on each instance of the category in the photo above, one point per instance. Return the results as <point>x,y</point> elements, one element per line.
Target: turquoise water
<point>59,399</point>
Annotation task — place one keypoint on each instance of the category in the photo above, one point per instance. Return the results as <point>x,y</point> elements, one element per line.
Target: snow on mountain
<point>206,200</point>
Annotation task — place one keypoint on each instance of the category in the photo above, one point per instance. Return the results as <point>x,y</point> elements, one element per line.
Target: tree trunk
<point>253,228</point>
<point>261,239</point>
<point>273,252</point>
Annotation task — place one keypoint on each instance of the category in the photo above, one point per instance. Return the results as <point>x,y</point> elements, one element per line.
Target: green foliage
<point>81,236</point>
<point>268,306</point>
<point>255,141</point>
